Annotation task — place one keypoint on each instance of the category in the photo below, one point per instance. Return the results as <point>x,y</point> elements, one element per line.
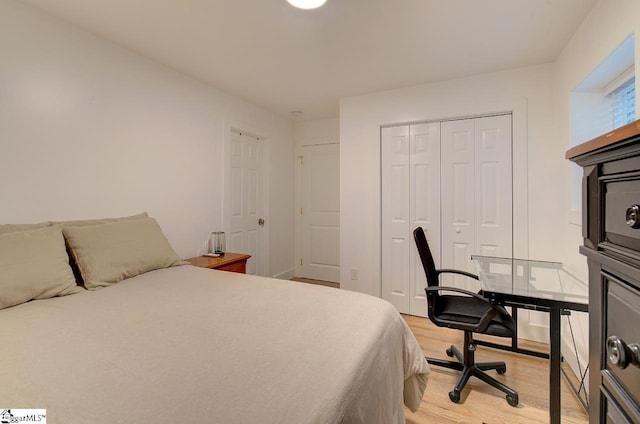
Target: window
<point>603,101</point>
<point>624,103</point>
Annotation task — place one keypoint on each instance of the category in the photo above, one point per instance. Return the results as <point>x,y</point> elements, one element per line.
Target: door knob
<point>261,222</point>
<point>457,230</point>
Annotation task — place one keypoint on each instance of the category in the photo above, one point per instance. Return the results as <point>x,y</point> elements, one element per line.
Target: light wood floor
<point>481,403</point>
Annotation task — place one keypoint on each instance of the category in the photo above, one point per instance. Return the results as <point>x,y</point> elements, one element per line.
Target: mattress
<point>193,345</point>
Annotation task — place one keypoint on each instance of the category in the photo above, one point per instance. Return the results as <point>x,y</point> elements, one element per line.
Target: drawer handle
<point>634,349</point>
<point>620,354</point>
<point>617,352</point>
<point>633,216</point>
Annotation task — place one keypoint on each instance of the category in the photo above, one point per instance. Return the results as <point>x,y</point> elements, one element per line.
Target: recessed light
<point>296,113</point>
<point>306,4</point>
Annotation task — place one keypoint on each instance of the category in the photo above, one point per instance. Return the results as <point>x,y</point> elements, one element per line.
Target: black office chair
<point>470,313</point>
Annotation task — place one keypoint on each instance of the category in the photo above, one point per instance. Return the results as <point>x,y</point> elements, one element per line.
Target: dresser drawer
<point>617,406</point>
<point>611,411</point>
<point>622,216</point>
<point>622,335</point>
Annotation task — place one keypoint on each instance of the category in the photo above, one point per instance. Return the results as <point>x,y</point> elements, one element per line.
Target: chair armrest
<point>456,271</point>
<point>484,321</point>
<point>458,290</point>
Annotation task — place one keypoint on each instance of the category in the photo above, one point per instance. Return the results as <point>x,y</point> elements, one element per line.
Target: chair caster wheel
<point>501,370</point>
<point>449,352</point>
<point>512,400</point>
<point>454,395</point>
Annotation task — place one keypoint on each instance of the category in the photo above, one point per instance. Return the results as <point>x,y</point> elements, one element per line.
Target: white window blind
<point>624,104</point>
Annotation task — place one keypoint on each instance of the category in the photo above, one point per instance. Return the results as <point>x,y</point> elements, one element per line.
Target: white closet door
<point>476,193</point>
<point>458,197</point>
<point>410,198</point>
<point>493,192</point>
<point>396,220</point>
<point>424,204</point>
<point>454,180</point>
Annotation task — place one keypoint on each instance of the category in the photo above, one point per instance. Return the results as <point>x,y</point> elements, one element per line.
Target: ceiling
<point>286,59</point>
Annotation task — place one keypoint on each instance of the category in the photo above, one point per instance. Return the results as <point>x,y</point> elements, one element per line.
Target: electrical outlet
<point>354,273</point>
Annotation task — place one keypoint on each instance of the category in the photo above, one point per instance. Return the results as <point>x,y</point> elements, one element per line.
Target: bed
<point>184,344</point>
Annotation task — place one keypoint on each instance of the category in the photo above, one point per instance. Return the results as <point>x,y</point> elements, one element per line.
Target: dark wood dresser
<point>611,231</point>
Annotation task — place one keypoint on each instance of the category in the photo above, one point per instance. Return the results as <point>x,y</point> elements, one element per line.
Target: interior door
<point>493,188</point>
<point>245,232</point>
<point>477,193</point>
<point>424,205</point>
<point>320,165</point>
<point>454,179</point>
<point>396,237</point>
<point>410,198</point>
<point>458,197</point>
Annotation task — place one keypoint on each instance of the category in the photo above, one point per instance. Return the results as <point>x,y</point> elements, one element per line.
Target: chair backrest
<point>426,257</point>
<point>436,303</point>
<point>431,273</point>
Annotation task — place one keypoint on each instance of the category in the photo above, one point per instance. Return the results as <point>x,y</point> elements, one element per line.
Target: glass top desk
<point>537,285</point>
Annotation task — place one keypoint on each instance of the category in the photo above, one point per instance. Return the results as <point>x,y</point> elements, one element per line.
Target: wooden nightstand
<point>233,262</point>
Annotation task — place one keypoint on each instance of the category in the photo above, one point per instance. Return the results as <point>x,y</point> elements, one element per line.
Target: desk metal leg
<point>554,371</point>
<point>514,339</point>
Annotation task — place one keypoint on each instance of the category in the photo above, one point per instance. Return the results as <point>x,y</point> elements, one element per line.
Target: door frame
<point>520,175</point>
<point>262,265</point>
<point>520,168</point>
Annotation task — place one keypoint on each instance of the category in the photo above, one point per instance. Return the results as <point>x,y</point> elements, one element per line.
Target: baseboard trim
<point>287,275</point>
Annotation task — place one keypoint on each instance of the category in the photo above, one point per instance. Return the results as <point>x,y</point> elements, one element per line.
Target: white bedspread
<point>191,345</point>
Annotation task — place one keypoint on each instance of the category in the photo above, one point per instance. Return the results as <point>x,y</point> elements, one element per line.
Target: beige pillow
<point>86,222</point>
<point>11,228</point>
<point>111,252</point>
<point>34,265</point>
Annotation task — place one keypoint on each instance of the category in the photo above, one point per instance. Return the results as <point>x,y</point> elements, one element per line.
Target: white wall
<point>605,28</point>
<point>319,131</point>
<point>528,89</point>
<point>545,90</point>
<point>89,129</point>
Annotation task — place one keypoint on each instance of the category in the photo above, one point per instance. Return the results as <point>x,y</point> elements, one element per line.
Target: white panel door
<point>458,192</point>
<point>493,188</point>
<point>245,234</point>
<point>476,193</point>
<point>453,179</point>
<point>424,204</point>
<point>410,198</point>
<point>397,243</point>
<point>321,212</point>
